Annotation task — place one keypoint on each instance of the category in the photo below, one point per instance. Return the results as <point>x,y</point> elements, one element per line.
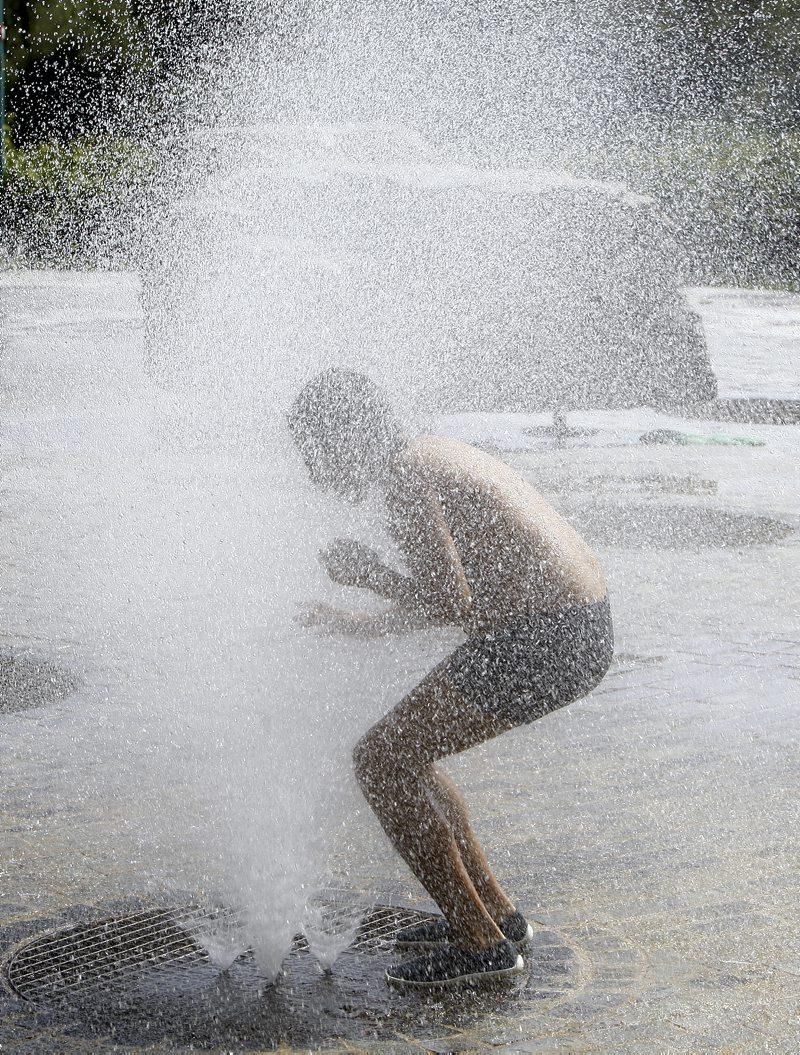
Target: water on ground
<point>650,830</point>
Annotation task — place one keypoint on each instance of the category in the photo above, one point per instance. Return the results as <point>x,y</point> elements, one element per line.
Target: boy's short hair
<point>343,415</point>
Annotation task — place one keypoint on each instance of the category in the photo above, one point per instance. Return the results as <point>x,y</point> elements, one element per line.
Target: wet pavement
<point>651,830</point>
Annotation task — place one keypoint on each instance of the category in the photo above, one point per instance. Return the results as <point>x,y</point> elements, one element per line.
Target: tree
<point>82,67</point>
<point>70,62</point>
<point>721,57</point>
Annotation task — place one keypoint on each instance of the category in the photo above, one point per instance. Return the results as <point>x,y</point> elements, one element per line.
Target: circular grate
<point>90,956</point>
<point>145,974</point>
<point>143,947</point>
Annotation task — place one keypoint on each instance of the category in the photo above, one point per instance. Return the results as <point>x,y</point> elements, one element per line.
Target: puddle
<point>688,484</point>
<point>749,411</point>
<point>657,526</point>
<point>27,682</point>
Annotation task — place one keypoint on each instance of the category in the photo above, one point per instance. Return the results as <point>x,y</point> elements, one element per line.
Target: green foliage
<point>89,79</point>
<point>715,57</point>
<point>60,204</point>
<point>732,192</point>
<point>39,28</point>
<point>737,193</point>
<point>76,169</point>
<point>86,67</point>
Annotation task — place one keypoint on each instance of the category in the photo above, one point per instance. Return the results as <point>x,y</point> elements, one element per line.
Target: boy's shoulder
<point>427,460</point>
<point>442,456</point>
<point>443,461</point>
<point>431,452</point>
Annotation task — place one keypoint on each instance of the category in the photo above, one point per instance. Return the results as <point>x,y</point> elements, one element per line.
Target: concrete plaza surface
<point>651,830</point>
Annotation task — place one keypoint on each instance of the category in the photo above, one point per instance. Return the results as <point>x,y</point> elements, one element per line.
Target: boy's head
<point>345,430</point>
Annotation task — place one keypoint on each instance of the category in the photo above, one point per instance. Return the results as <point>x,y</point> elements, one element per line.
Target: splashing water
<point>160,530</point>
<point>330,929</point>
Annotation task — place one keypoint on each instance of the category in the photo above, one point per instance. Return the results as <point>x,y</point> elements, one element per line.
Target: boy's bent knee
<point>379,764</point>
<point>371,762</point>
<point>362,760</point>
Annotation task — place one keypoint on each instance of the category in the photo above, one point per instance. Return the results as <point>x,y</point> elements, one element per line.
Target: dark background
<point>83,67</point>
<point>78,66</point>
<point>714,85</point>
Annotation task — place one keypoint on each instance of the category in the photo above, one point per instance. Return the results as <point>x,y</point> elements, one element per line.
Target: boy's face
<point>333,471</point>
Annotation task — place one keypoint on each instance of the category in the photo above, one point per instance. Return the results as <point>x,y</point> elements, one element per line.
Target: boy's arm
<point>351,563</point>
<point>327,618</point>
<point>438,586</point>
<point>436,591</point>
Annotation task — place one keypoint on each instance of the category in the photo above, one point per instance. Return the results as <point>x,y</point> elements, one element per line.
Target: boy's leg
<point>451,802</point>
<point>426,842</point>
<point>394,766</point>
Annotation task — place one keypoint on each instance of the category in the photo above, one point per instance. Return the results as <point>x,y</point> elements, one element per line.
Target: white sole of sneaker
<point>422,946</point>
<point>481,978</point>
<point>426,946</point>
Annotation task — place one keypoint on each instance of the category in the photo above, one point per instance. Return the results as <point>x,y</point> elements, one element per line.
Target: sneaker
<point>451,966</point>
<point>436,931</point>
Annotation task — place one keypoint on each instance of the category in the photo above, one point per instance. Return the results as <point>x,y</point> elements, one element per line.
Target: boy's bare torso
<point>459,513</point>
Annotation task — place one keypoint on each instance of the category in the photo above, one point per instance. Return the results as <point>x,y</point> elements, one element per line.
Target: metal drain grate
<point>145,976</point>
<point>114,953</point>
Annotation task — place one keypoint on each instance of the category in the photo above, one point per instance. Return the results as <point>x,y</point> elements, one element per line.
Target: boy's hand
<point>324,618</point>
<point>347,562</point>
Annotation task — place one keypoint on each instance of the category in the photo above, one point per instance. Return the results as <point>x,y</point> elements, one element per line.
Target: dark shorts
<point>534,664</point>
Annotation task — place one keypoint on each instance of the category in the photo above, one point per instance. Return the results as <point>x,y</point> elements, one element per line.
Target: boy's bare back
<point>515,550</point>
